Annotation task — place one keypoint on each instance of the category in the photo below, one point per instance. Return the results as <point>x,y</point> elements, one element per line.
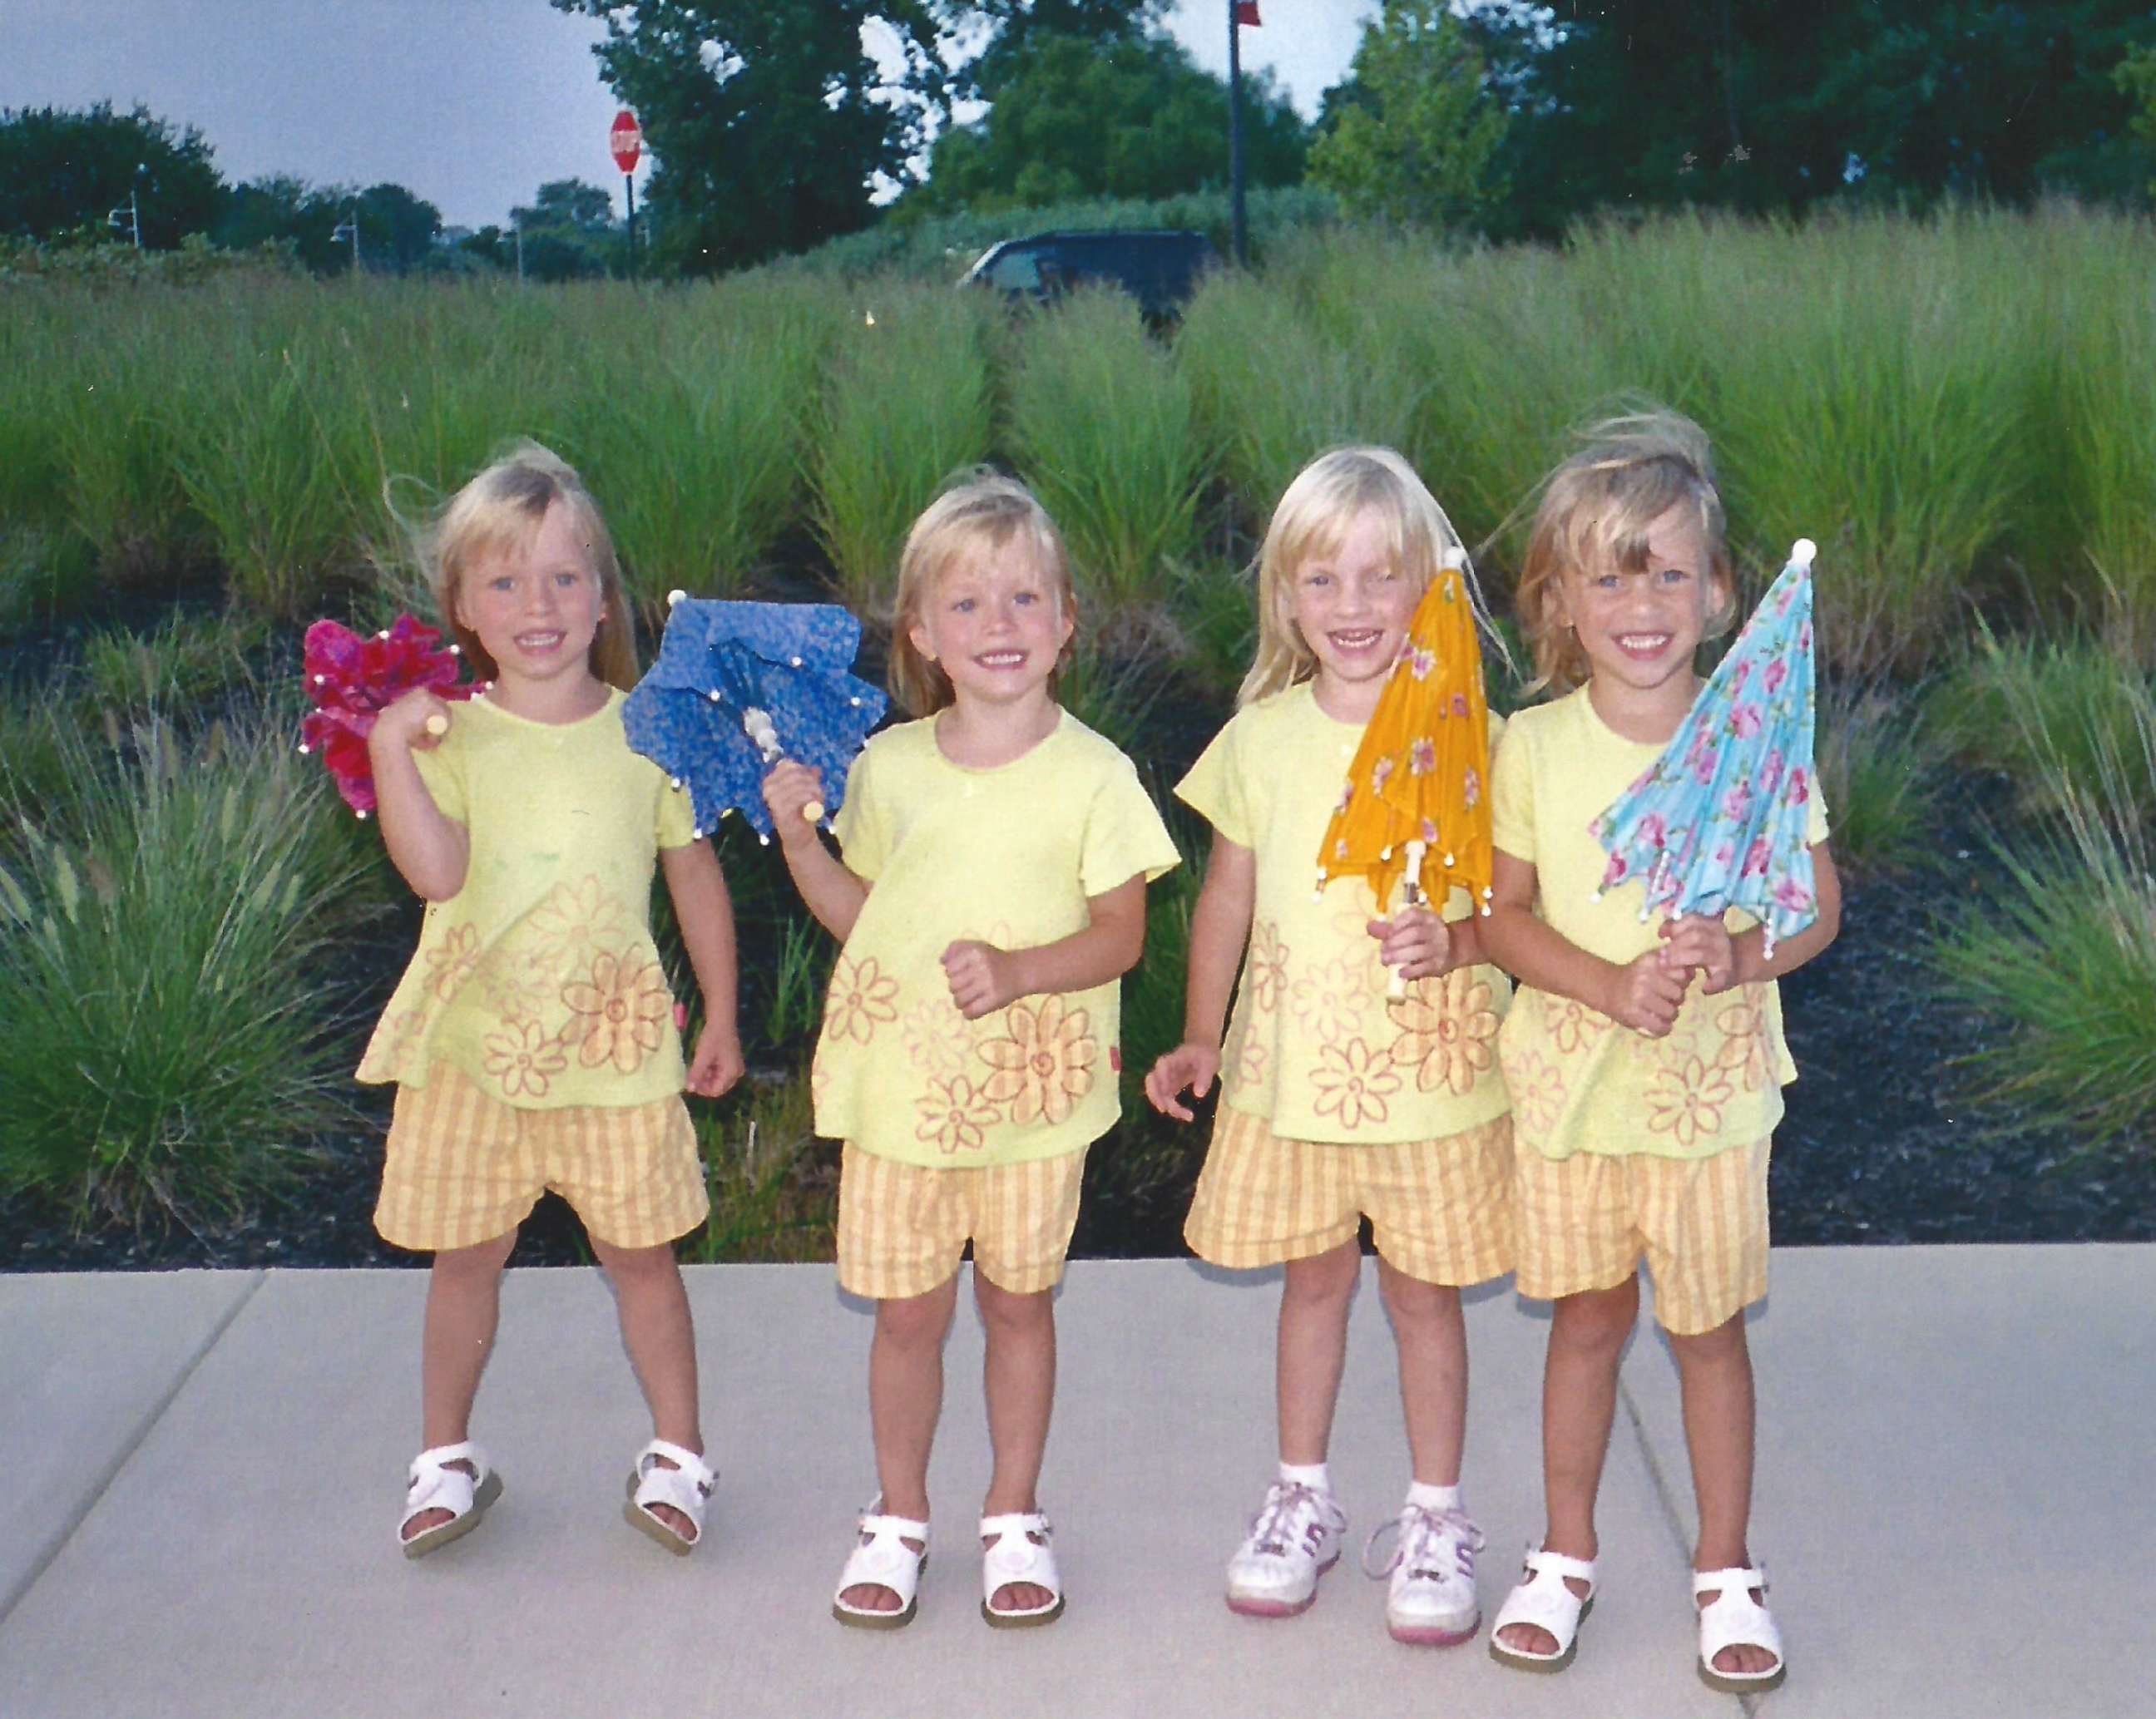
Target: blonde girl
<point>1337,1101</point>
<point>532,1040</point>
<point>990,894</point>
<point>1645,1061</point>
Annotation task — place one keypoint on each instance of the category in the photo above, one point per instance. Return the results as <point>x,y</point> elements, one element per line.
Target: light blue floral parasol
<point>1722,818</point>
<point>738,686</point>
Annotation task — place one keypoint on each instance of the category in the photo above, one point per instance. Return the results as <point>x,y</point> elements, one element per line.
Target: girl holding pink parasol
<point>1643,1052</point>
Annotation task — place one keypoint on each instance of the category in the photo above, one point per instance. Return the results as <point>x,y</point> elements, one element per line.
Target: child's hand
<point>1414,943</point>
<point>718,1062</point>
<point>416,722</point>
<point>982,978</point>
<point>1648,994</point>
<point>1699,941</point>
<point>1190,1065</point>
<point>787,791</point>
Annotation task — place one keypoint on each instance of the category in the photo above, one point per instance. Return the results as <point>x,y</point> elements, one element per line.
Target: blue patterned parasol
<point>1722,818</point>
<point>739,685</point>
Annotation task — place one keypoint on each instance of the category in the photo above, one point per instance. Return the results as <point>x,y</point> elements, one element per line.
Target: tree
<point>1418,145</point>
<point>2136,75</point>
<point>1758,107</point>
<point>397,229</point>
<point>1077,118</point>
<point>766,119</point>
<point>281,209</point>
<point>569,232</point>
<point>60,169</point>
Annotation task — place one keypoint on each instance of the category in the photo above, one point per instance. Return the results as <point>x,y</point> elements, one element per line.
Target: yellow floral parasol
<point>1416,807</point>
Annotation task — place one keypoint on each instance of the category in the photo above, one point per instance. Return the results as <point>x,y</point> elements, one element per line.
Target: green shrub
<point>186,663</point>
<point>2063,956</point>
<point>2051,714</point>
<point>1101,426</point>
<point>170,931</point>
<point>774,1189</point>
<point>1878,767</point>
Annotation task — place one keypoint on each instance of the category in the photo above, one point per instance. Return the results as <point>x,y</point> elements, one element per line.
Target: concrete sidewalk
<point>200,1473</point>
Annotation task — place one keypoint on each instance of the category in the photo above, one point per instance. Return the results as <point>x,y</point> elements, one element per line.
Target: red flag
<point>1246,13</point>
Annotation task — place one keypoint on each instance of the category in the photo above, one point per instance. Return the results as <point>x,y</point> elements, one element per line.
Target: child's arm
<point>706,913</point>
<point>432,851</point>
<point>833,893</point>
<point>1697,940</point>
<point>1220,927</point>
<point>984,979</point>
<point>1644,994</point>
<point>1416,944</point>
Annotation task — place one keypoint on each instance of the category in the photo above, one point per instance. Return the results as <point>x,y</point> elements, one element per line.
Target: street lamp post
<point>1235,130</point>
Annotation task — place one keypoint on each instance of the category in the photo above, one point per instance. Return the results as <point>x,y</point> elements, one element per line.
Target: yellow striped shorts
<point>1700,1224</point>
<point>464,1167</point>
<point>902,1227</point>
<point>1439,1210</point>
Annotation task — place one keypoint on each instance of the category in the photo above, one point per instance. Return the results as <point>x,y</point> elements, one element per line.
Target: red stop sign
<point>625,138</point>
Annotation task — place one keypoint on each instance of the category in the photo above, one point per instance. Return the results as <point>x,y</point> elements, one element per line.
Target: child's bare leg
<point>464,1305</point>
<point>906,1397</point>
<point>1431,1333</point>
<point>1719,1414</point>
<point>1587,1335</point>
<point>653,1304</point>
<point>1313,1348</point>
<point>1019,1378</point>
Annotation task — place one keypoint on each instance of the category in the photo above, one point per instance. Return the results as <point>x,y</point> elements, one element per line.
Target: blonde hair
<point>1313,518</point>
<point>499,513</point>
<point>978,508</point>
<point>1595,512</point>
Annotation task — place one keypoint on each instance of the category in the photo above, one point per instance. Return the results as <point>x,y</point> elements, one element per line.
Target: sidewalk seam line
<point>144,1428</point>
<point>1666,1498</point>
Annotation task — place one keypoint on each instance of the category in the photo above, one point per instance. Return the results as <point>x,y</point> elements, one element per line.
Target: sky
<point>470,104</point>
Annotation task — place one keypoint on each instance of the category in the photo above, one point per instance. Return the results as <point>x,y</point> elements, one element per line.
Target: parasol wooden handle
<point>758,727</point>
<point>1411,896</point>
<point>437,724</point>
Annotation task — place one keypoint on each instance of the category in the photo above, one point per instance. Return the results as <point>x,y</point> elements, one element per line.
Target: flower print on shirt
<point>1354,1084</point>
<point>861,1000</point>
<point>1448,1031</point>
<point>619,1012</point>
<point>1044,1065</point>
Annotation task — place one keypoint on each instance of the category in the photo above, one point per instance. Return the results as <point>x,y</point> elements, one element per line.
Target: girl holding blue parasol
<point>1636,820</point>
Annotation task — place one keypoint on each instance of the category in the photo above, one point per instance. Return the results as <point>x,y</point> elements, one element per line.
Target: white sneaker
<point>1432,1602</point>
<point>1293,1540</point>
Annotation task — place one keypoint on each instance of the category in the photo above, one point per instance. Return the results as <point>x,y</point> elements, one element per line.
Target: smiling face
<point>535,610</point>
<point>993,621</point>
<point>1352,608</point>
<point>1639,628</point>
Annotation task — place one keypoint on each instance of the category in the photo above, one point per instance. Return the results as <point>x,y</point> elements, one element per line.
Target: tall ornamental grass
<point>774,1191</point>
<point>1271,391</point>
<point>694,438</point>
<point>906,403</point>
<point>171,932</point>
<point>1871,381</point>
<point>2102,466</point>
<point>2062,958</point>
<point>1879,773</point>
<point>2053,715</point>
<point>1102,424</point>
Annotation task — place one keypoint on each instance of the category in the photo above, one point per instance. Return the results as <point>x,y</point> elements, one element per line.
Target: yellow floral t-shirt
<point>1579,1081</point>
<point>1008,857</point>
<point>539,979</point>
<point>1316,1046</point>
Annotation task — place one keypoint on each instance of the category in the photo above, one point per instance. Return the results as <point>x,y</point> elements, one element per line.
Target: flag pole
<point>1235,131</point>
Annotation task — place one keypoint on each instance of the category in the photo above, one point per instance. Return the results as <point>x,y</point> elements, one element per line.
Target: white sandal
<point>881,1558</point>
<point>1733,1618</point>
<point>433,1485</point>
<point>1544,1600</point>
<point>1014,1555</point>
<point>686,1487</point>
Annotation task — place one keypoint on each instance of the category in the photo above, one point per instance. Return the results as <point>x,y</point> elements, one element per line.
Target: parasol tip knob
<point>1802,551</point>
<point>304,749</point>
<point>362,816</point>
<point>675,598</point>
<point>1454,558</point>
<point>714,696</point>
<point>383,634</point>
<point>1386,852</point>
<point>456,650</point>
<point>321,679</point>
<point>794,662</point>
